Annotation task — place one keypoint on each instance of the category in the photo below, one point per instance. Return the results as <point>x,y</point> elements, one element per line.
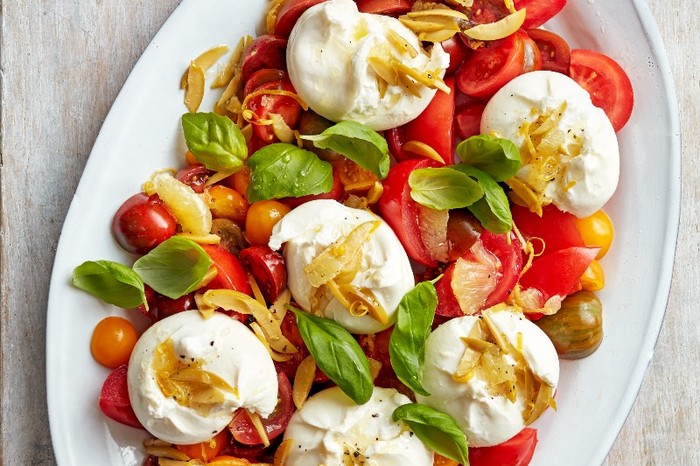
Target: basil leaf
<point>215,141</point>
<point>498,157</point>
<point>437,430</point>
<point>492,210</point>
<point>415,315</point>
<point>111,282</point>
<point>175,267</point>
<point>337,354</point>
<point>361,144</point>
<point>285,170</point>
<point>443,188</point>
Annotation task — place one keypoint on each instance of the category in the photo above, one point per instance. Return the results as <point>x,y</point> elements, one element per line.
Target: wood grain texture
<point>62,63</point>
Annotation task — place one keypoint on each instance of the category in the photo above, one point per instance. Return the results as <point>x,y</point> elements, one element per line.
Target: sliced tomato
<point>559,272</point>
<point>539,12</point>
<point>231,274</point>
<point>114,398</point>
<point>289,367</point>
<point>554,230</point>
<point>194,176</point>
<point>263,76</point>
<point>554,50</point>
<point>289,13</point>
<point>468,120</point>
<point>457,50</point>
<point>268,269</point>
<point>377,347</point>
<point>401,212</point>
<point>160,306</point>
<point>488,11</point>
<point>511,257</point>
<point>533,56</point>
<point>264,105</point>
<point>266,51</point>
<point>517,451</point>
<point>242,427</point>
<point>384,7</point>
<point>607,83</point>
<point>492,66</point>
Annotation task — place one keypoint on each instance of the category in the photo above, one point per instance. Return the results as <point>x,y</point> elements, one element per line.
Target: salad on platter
<point>382,238</point>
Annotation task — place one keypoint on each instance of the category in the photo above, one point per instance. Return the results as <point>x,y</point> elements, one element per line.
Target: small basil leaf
<point>361,144</point>
<point>492,210</point>
<point>285,170</point>
<point>436,429</point>
<point>415,315</point>
<point>443,188</point>
<point>175,267</point>
<point>111,282</point>
<point>337,354</point>
<point>215,141</point>
<point>498,157</point>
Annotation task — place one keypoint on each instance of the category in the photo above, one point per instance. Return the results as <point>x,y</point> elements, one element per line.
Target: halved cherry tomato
<point>492,66</point>
<point>265,104</point>
<point>112,341</point>
<point>553,231</point>
<point>261,218</point>
<point>354,177</point>
<point>289,13</point>
<point>114,399</point>
<point>160,306</point>
<point>231,274</point>
<point>488,11</point>
<point>142,223</point>
<point>468,120</point>
<point>533,56</point>
<point>401,212</point>
<point>268,269</point>
<point>597,231</point>
<point>206,450</point>
<point>384,7</point>
<point>539,12</point>
<point>225,202</point>
<point>263,76</point>
<point>554,51</point>
<point>242,427</point>
<point>289,367</point>
<point>559,272</point>
<point>266,51</point>
<point>607,83</point>
<point>194,176</point>
<point>457,50</point>
<point>517,451</point>
<point>511,257</point>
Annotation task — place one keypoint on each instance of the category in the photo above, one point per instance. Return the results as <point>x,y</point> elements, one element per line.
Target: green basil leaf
<point>443,188</point>
<point>415,315</point>
<point>285,170</point>
<point>436,429</point>
<point>361,144</point>
<point>175,267</point>
<point>215,141</point>
<point>111,282</point>
<point>492,210</point>
<point>337,354</point>
<point>498,157</point>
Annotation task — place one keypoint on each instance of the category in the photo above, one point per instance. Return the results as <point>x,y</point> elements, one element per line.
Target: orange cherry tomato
<point>225,202</point>
<point>191,159</point>
<point>442,461</point>
<point>112,341</point>
<point>207,450</point>
<point>596,231</point>
<point>354,177</point>
<point>261,217</point>
<point>240,180</point>
<point>593,279</point>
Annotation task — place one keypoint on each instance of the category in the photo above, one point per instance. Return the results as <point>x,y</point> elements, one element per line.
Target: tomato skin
<point>457,50</point>
<point>289,13</point>
<point>231,274</point>
<point>242,428</point>
<point>384,7</point>
<point>263,76</point>
<point>517,451</point>
<point>114,398</point>
<point>264,105</point>
<point>206,450</point>
<point>400,211</point>
<point>268,269</point>
<point>112,341</point>
<point>266,51</point>
<point>554,50</point>
<point>194,176</point>
<point>533,56</point>
<point>261,218</point>
<point>558,272</point>
<point>607,83</point>
<point>539,11</point>
<point>160,306</point>
<point>142,223</point>
<point>289,367</point>
<point>597,230</point>
<point>468,120</point>
<point>555,228</point>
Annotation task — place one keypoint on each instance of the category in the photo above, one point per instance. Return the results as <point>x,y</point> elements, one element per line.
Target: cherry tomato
<point>289,13</point>
<point>533,57</point>
<point>539,12</point>
<point>190,159</point>
<point>268,269</point>
<point>142,223</point>
<point>442,461</point>
<point>606,81</point>
<point>463,230</point>
<point>231,274</point>
<point>593,279</point>
<point>225,202</point>
<point>468,120</point>
<point>112,341</point>
<point>242,427</point>
<point>336,192</point>
<point>553,231</point>
<point>289,368</point>
<point>554,51</point>
<point>558,272</point>
<point>488,11</point>
<point>266,51</point>
<point>401,212</point>
<point>239,180</point>
<point>265,104</point>
<point>384,7</point>
<point>263,76</point>
<point>492,66</point>
<point>517,451</point>
<point>206,450</point>
<point>194,176</point>
<point>160,306</point>
<point>354,177</point>
<point>261,217</point>
<point>510,256</point>
<point>377,347</point>
<point>114,399</point>
<point>597,231</point>
<point>457,50</point>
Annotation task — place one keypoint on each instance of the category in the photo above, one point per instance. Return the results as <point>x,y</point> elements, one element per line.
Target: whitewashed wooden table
<point>63,63</point>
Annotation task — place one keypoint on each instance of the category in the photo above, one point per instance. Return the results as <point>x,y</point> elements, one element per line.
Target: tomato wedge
<point>267,51</point>
<point>268,269</point>
<point>231,274</point>
<point>517,451</point>
<point>556,229</point>
<point>266,104</point>
<point>468,120</point>
<point>539,12</point>
<point>114,399</point>
<point>289,13</point>
<point>384,7</point>
<point>559,272</point>
<point>554,50</point>
<point>606,81</point>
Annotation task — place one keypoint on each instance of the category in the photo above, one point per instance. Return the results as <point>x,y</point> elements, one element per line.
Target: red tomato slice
<point>457,50</point>
<point>289,13</point>
<point>268,269</point>
<point>384,7</point>
<point>554,50</point>
<point>517,451</point>
<point>559,272</point>
<point>606,81</point>
<point>242,428</point>
<point>401,212</point>
<point>539,12</point>
<point>533,57</point>
<point>263,76</point>
<point>488,11</point>
<point>556,229</point>
<point>468,120</point>
<point>267,51</point>
<point>114,399</point>
<point>492,66</point>
<point>511,257</point>
<point>265,104</point>
<point>231,274</point>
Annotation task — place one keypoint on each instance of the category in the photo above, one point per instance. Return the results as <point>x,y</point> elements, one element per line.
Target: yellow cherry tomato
<point>207,450</point>
<point>226,202</point>
<point>240,181</point>
<point>112,341</point>
<point>442,461</point>
<point>593,279</point>
<point>261,217</point>
<point>596,231</point>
